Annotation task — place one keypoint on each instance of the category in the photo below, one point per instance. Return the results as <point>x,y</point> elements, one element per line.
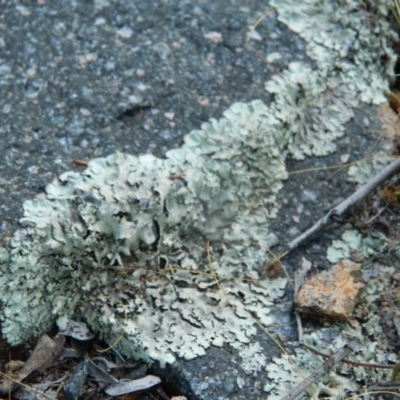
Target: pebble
<point>331,294</point>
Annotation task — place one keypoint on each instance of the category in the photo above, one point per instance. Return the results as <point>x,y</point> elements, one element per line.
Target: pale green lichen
<point>349,48</point>
<point>353,64</point>
<point>364,170</point>
<point>347,43</point>
<point>367,342</point>
<point>122,244</point>
<point>253,358</point>
<point>353,241</point>
<point>314,113</point>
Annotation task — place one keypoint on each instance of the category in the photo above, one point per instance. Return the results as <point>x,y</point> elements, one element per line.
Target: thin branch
<point>297,284</point>
<point>346,361</point>
<point>317,373</point>
<point>299,326</point>
<point>343,207</point>
<point>377,214</point>
<point>385,385</point>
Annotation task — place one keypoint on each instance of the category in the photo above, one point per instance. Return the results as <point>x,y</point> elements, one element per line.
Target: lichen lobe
<point>122,244</point>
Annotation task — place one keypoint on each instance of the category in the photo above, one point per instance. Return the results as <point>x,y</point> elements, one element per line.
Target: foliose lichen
<point>367,342</point>
<point>364,170</point>
<point>351,55</point>
<point>313,109</point>
<point>353,64</point>
<point>347,43</point>
<point>353,241</point>
<point>122,244</point>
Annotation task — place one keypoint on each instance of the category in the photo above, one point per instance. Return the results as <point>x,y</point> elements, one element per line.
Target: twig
<point>385,385</point>
<point>346,361</point>
<point>299,326</point>
<point>317,373</point>
<point>377,214</point>
<point>80,163</point>
<point>342,208</point>
<point>62,381</point>
<point>297,284</point>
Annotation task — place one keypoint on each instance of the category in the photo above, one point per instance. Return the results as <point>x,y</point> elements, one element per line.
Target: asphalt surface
<point>83,79</point>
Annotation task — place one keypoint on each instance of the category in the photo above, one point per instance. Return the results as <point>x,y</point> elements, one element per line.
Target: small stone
<point>85,112</point>
<point>125,32</point>
<point>203,101</point>
<point>162,49</point>
<point>331,294</point>
<point>33,170</point>
<point>23,10</point>
<point>253,35</point>
<point>344,158</point>
<point>215,37</point>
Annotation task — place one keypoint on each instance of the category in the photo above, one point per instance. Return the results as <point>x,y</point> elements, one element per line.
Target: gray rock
<point>83,80</point>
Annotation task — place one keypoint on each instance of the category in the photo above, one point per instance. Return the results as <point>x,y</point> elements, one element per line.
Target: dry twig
<point>343,207</point>
<point>385,385</point>
<point>346,361</point>
<point>317,373</point>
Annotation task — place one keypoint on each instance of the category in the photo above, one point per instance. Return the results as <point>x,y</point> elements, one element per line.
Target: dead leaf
<point>42,357</point>
<point>124,387</point>
<point>101,376</point>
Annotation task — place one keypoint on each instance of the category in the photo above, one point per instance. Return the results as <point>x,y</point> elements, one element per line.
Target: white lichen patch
<point>253,358</point>
<point>352,64</point>
<point>364,170</point>
<point>368,345</point>
<point>347,42</point>
<point>353,241</point>
<point>122,244</point>
<point>314,110</point>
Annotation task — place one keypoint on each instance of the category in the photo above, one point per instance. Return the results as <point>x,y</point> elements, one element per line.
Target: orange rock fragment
<point>332,293</point>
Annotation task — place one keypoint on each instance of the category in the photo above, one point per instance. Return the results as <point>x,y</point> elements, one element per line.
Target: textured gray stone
<point>84,80</point>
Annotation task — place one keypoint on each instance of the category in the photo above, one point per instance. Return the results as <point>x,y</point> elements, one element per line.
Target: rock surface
<point>84,79</point>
